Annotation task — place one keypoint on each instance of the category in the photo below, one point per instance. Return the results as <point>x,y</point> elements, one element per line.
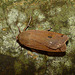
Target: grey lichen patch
<point>54,11</point>
<point>64,30</point>
<point>14,30</point>
<point>71,20</point>
<point>39,62</point>
<point>68,64</point>
<point>22,17</point>
<point>16,17</point>
<point>39,14</point>
<point>9,46</point>
<point>12,16</point>
<point>71,47</point>
<point>41,17</point>
<point>60,16</point>
<point>72,31</point>
<point>60,63</point>
<point>43,26</point>
<point>36,12</point>
<point>10,43</point>
<point>56,64</point>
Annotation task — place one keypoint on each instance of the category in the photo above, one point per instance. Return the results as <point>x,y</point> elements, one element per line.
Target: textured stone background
<point>58,14</point>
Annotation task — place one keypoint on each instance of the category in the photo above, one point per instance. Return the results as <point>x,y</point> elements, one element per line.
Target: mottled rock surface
<point>58,14</point>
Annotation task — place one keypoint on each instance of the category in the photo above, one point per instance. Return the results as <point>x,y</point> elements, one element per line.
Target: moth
<point>43,40</point>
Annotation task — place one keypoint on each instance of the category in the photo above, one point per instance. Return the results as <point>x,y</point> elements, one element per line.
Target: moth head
<point>57,40</point>
<point>17,37</point>
<point>62,40</point>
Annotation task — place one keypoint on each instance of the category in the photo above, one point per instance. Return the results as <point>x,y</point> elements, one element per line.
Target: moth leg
<point>49,29</point>
<point>27,25</point>
<point>30,53</point>
<point>33,55</point>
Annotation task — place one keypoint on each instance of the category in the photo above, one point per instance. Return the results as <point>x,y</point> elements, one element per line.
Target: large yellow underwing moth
<point>43,40</point>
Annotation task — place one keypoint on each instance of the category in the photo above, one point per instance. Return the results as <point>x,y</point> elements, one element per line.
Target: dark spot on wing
<point>62,35</point>
<point>49,36</point>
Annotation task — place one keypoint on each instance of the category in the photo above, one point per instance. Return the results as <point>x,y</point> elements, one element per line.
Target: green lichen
<point>18,68</point>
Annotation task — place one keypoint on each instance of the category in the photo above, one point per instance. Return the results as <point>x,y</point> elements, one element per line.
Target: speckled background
<point>16,60</point>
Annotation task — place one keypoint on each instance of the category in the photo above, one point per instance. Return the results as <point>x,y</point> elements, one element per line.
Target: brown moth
<point>43,40</point>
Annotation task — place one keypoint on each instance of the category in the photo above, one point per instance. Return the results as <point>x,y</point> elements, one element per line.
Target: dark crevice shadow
<point>7,65</point>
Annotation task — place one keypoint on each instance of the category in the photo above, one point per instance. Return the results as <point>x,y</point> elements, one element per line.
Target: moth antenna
<point>19,29</point>
<point>18,26</point>
<point>29,21</point>
<point>28,24</point>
